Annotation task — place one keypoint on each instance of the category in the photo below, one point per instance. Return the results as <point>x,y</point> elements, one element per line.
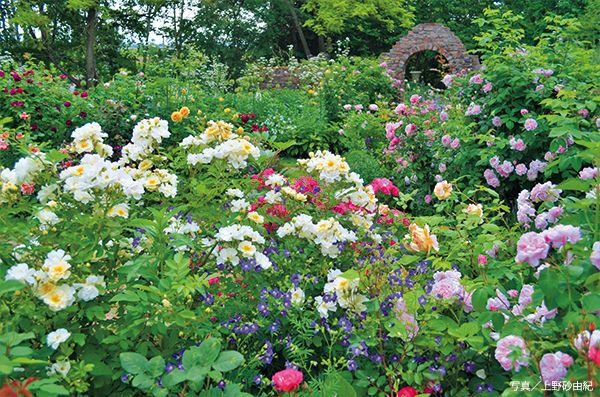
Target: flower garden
<point>172,236</point>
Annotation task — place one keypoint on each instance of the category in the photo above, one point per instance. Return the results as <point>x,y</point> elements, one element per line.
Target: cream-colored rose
<point>442,190</point>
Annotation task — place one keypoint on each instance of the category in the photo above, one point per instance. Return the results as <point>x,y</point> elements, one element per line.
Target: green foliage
<point>365,164</point>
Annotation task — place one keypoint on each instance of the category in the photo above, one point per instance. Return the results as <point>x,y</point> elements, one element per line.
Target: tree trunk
<point>91,72</point>
<point>299,28</point>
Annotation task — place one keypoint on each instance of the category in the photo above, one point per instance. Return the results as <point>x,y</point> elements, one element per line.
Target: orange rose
<point>176,116</point>
<point>185,111</point>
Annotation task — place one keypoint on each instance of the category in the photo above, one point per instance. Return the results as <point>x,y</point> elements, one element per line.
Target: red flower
<point>67,104</point>
<point>84,94</point>
<point>287,380</point>
<point>16,389</point>
<point>212,281</point>
<point>69,122</point>
<point>407,391</point>
<point>28,189</point>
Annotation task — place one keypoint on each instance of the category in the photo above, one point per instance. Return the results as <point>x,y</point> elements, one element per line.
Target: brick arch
<point>434,37</point>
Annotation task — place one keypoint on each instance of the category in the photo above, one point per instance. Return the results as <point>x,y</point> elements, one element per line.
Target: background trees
<point>86,39</point>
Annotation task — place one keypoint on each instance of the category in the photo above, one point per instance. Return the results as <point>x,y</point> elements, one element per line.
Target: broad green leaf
<point>228,361</point>
<point>134,363</point>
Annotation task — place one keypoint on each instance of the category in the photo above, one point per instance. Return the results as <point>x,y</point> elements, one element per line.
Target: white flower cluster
<point>230,147</point>
<point>328,234</point>
<point>95,174</point>
<point>331,167</point>
<point>239,241</point>
<point>44,282</point>
<point>182,225</point>
<point>342,292</point>
<point>146,134</point>
<point>89,137</point>
<point>23,172</point>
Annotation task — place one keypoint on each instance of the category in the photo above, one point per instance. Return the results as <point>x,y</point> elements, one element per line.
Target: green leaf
<point>6,366</point>
<point>156,366</point>
<point>54,389</point>
<point>480,298</point>
<point>574,184</point>
<point>228,360</point>
<point>10,286</point>
<point>126,296</point>
<point>134,363</point>
<point>591,303</point>
<point>207,352</point>
<point>173,378</point>
<point>142,381</point>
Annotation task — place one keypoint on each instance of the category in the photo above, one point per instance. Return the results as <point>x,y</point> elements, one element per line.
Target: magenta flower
<point>384,186</point>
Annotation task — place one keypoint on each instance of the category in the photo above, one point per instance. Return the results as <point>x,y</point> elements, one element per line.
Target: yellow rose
<point>145,165</point>
<point>422,239</point>
<point>227,110</point>
<point>176,116</point>
<point>442,190</point>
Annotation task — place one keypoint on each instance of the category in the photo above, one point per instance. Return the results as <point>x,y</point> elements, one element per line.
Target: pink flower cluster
<point>533,247</point>
<point>595,256</point>
<point>451,143</point>
<point>511,352</point>
<point>505,168</point>
<point>553,366</point>
<point>407,319</point>
<point>530,124</point>
<point>384,186</point>
<point>517,144</point>
<point>501,303</point>
<point>588,173</point>
<point>447,285</point>
<point>473,110</point>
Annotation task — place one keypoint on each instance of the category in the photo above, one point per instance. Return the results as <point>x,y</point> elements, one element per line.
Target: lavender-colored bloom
<point>352,365</point>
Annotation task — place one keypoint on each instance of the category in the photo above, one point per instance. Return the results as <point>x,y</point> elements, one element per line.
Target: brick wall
<point>434,37</point>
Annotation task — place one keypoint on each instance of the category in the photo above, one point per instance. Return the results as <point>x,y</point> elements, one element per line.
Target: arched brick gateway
<point>434,37</point>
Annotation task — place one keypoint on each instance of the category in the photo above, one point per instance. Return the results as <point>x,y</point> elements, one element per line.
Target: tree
<point>373,21</point>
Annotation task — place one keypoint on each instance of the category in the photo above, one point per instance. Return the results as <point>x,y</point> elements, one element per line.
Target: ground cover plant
<point>174,232</point>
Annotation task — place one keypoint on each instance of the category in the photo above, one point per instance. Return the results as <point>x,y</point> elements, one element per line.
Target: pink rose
<point>532,248</point>
<point>287,380</point>
<point>512,353</point>
<point>530,124</point>
<point>553,366</point>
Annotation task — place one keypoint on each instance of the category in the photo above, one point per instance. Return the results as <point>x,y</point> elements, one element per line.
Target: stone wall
<point>434,37</point>
<point>279,77</point>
